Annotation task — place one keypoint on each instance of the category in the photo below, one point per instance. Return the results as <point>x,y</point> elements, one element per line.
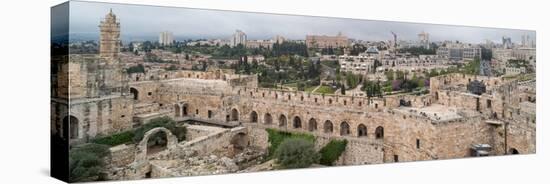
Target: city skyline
<point>212,24</point>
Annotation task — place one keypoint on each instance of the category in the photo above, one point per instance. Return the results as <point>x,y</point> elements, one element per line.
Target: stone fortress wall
<point>103,99</point>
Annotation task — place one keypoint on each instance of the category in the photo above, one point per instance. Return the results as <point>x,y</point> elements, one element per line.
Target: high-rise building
<point>166,38</point>
<point>109,38</point>
<point>526,41</point>
<point>239,37</point>
<point>424,40</point>
<point>506,42</point>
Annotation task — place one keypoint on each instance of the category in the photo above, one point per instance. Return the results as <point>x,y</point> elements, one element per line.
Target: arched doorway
<point>513,151</point>
<point>297,123</point>
<point>253,117</point>
<point>177,110</point>
<point>70,127</point>
<point>142,151</point>
<point>135,93</point>
<point>234,115</point>
<point>327,127</point>
<point>282,120</point>
<point>157,142</point>
<point>312,125</point>
<point>344,128</point>
<point>185,110</point>
<point>267,118</point>
<point>239,142</point>
<point>379,132</point>
<point>361,130</point>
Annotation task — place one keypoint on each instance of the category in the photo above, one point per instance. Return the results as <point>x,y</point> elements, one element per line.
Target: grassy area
<point>325,90</point>
<point>332,151</point>
<point>310,89</point>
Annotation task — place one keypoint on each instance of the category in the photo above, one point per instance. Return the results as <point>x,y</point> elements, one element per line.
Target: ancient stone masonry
<point>227,114</point>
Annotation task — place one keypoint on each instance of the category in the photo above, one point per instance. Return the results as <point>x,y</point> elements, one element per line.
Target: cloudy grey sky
<point>145,22</point>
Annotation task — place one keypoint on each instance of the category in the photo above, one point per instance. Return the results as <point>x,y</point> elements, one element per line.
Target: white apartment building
<point>239,37</point>
<point>166,38</point>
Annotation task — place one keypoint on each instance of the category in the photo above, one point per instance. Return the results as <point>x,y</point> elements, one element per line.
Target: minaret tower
<point>109,38</point>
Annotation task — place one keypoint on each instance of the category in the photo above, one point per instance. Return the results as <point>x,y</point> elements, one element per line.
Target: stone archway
<point>327,127</point>
<point>254,117</point>
<point>268,119</point>
<point>135,93</point>
<point>361,130</point>
<point>297,122</point>
<point>513,151</point>
<point>344,128</point>
<point>185,110</point>
<point>70,127</point>
<point>234,115</point>
<point>282,120</point>
<point>141,150</point>
<point>312,125</point>
<point>239,142</point>
<point>379,132</point>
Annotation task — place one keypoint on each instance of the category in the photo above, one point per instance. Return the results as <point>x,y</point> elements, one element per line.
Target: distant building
<point>256,44</point>
<point>424,40</point>
<point>109,38</point>
<point>459,52</point>
<point>514,71</point>
<point>279,39</point>
<point>322,41</point>
<point>239,37</point>
<point>506,42</point>
<point>526,41</point>
<point>166,38</point>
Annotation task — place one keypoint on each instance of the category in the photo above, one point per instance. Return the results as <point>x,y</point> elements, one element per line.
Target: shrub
<point>86,162</point>
<point>332,151</point>
<point>276,137</point>
<point>136,69</point>
<point>296,153</point>
<point>115,139</point>
<point>165,122</point>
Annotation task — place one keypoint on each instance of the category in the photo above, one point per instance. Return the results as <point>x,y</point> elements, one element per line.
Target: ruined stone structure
<point>443,124</point>
<point>109,38</point>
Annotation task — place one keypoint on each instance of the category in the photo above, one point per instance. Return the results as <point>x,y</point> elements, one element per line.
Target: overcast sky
<point>140,22</point>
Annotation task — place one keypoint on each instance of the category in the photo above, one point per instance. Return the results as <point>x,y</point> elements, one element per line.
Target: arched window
<point>234,115</point>
<point>379,133</point>
<point>327,127</point>
<point>344,128</point>
<point>267,118</point>
<point>312,125</point>
<point>361,130</point>
<point>297,123</point>
<point>282,121</point>
<point>253,117</point>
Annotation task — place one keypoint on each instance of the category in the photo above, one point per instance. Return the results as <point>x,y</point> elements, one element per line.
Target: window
<point>150,93</point>
<point>209,114</point>
<point>197,111</point>
<point>395,158</point>
<point>417,143</point>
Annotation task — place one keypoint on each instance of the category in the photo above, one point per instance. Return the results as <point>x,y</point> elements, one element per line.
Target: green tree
<point>296,153</point>
<point>86,162</point>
